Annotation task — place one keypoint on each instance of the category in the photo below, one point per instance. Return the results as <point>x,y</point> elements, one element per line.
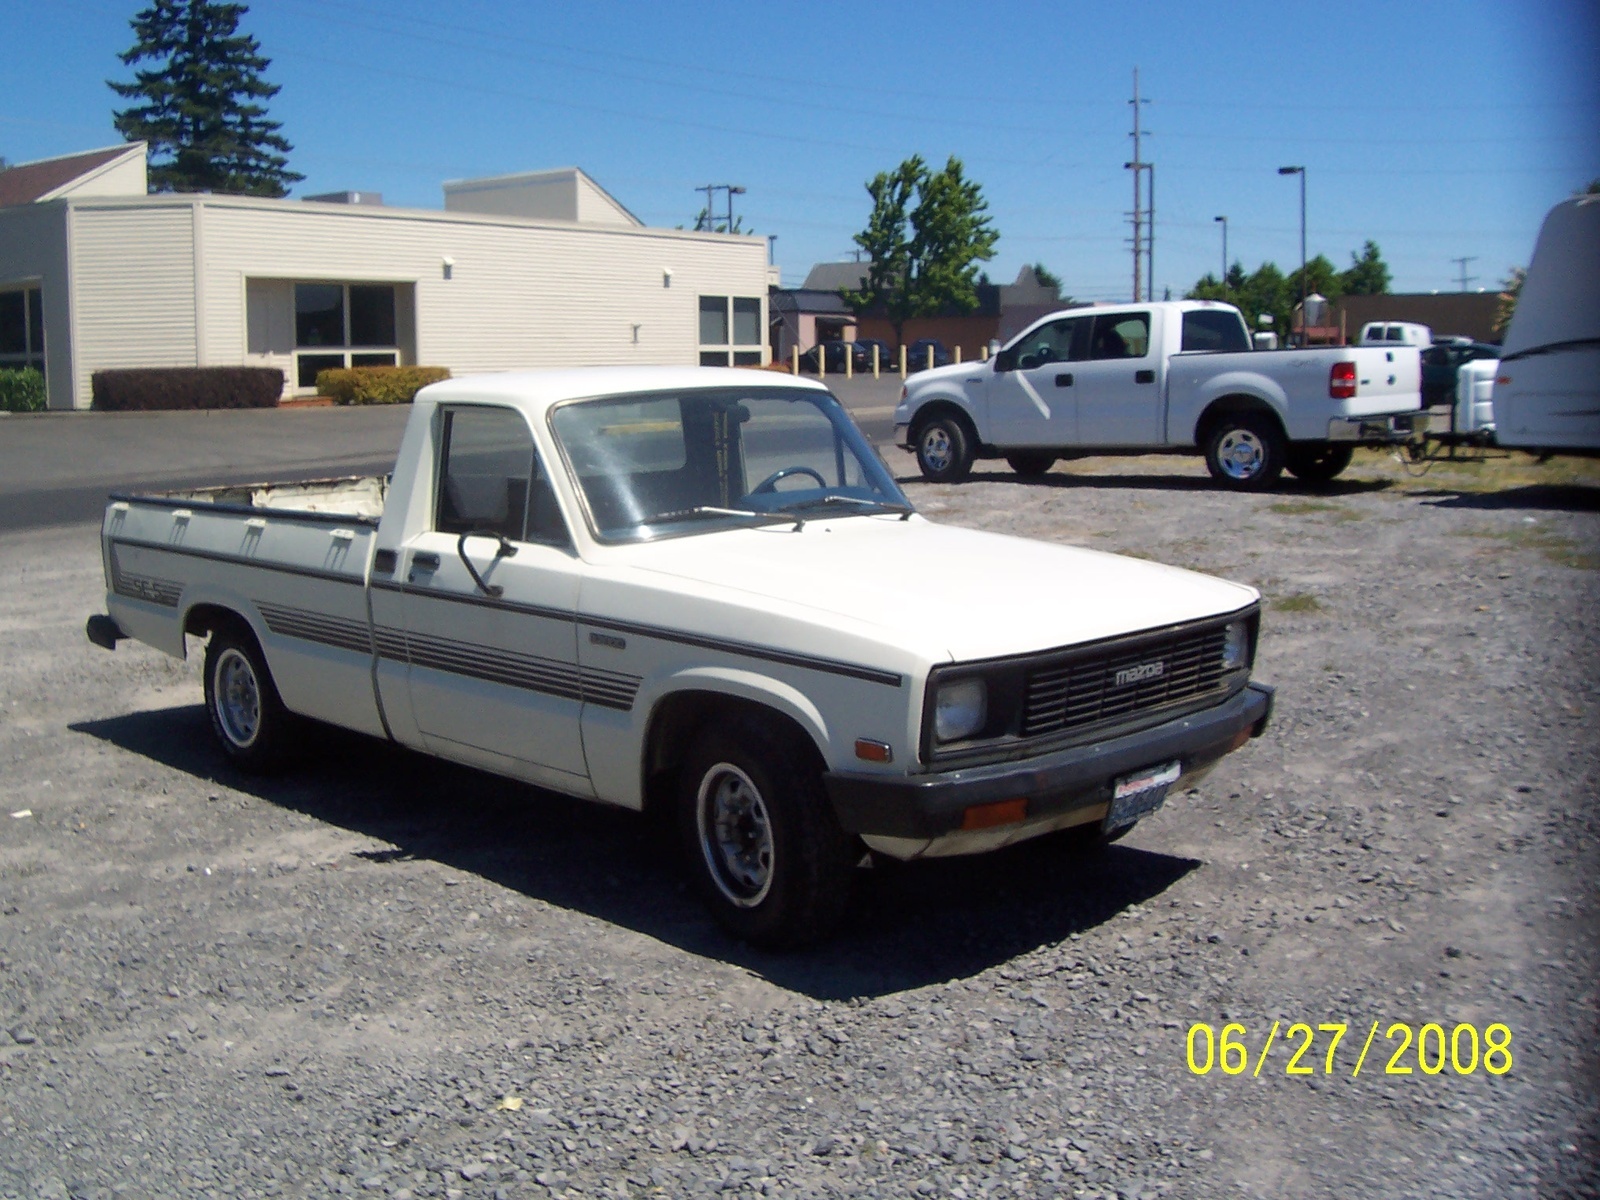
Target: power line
<point>1465,279</point>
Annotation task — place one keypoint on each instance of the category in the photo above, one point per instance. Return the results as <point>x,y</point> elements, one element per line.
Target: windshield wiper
<point>711,510</point>
<point>905,510</point>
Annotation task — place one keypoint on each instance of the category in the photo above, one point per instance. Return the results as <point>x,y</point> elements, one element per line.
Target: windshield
<point>664,463</point>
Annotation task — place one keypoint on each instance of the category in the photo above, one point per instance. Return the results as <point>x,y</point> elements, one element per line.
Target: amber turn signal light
<point>1001,812</point>
<point>874,751</point>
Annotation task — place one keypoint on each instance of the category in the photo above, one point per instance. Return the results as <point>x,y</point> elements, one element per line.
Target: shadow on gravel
<point>1165,483</point>
<point>1546,497</point>
<point>912,925</point>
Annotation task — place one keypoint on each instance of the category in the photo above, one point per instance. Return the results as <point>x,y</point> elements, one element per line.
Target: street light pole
<point>1300,171</point>
<point>1224,221</point>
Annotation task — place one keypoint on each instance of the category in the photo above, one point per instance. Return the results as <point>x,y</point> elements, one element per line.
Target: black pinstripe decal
<point>809,662</point>
<point>164,592</point>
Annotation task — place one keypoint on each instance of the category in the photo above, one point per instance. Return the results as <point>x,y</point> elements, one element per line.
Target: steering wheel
<point>770,483</point>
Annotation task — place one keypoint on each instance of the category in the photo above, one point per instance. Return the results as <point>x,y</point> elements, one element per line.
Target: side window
<point>1213,329</point>
<point>1124,335</point>
<point>1050,343</point>
<point>491,479</point>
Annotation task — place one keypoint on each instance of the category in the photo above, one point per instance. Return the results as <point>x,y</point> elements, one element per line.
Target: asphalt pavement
<point>57,468</point>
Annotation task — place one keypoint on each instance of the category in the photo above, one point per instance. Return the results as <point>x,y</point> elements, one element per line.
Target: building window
<point>730,331</point>
<point>343,325</point>
<point>22,330</point>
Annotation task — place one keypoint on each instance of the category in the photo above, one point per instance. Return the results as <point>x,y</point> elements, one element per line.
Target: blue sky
<point>1437,129</point>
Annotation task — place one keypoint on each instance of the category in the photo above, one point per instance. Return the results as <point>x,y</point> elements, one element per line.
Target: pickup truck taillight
<point>1342,380</point>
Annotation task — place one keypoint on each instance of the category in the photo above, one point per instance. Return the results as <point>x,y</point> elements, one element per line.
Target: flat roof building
<point>534,270</point>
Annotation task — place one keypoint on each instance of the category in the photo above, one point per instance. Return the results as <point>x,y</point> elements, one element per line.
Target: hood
<point>938,590</point>
<point>954,374</point>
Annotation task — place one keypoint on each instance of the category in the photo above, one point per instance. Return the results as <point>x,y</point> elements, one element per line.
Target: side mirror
<point>1005,360</point>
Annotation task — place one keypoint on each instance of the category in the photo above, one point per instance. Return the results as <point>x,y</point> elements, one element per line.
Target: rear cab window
<point>1212,329</point>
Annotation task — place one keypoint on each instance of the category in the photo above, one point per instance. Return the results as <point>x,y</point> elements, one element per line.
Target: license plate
<point>1138,795</point>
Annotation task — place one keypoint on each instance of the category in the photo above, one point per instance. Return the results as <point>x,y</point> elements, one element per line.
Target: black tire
<point>1319,462</point>
<point>1031,464</point>
<point>254,729</point>
<point>1245,451</point>
<point>944,448</point>
<point>776,869</point>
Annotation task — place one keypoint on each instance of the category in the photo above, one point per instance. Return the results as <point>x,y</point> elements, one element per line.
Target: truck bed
<point>351,497</point>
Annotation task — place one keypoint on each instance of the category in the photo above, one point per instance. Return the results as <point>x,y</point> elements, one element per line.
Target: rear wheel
<point>1320,462</point>
<point>944,449</point>
<point>1245,451</point>
<point>766,851</point>
<point>1031,464</point>
<point>247,716</point>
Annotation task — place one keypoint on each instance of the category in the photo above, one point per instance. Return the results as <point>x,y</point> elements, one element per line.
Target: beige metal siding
<point>133,289</point>
<point>519,294</point>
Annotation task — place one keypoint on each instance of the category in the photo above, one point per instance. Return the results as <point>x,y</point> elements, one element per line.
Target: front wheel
<point>1319,463</point>
<point>765,849</point>
<point>1031,464</point>
<point>944,449</point>
<point>1245,451</point>
<point>247,716</point>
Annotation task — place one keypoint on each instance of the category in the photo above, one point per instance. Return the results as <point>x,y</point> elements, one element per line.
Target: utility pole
<point>707,221</point>
<point>1462,263</point>
<point>1137,166</point>
<point>1224,221</point>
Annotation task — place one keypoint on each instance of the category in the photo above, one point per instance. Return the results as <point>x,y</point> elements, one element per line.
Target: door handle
<point>1144,376</point>
<point>425,561</point>
<point>1063,380</point>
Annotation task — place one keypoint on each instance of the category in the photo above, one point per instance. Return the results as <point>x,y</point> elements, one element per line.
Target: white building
<point>543,269</point>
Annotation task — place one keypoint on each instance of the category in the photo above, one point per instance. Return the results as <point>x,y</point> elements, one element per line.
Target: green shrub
<point>377,385</point>
<point>21,390</point>
<point>142,389</point>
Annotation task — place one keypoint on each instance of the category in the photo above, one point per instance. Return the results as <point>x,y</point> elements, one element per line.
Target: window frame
<point>347,352</point>
<point>731,352</point>
<point>537,472</point>
<point>33,332</point>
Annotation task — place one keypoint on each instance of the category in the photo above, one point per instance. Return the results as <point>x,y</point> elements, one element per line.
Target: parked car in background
<point>887,361</point>
<point>1173,375</point>
<point>1395,333</point>
<point>917,354</point>
<point>834,357</point>
<point>1442,362</point>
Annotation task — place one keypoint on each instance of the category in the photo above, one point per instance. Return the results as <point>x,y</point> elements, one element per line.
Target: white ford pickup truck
<point>1176,375</point>
<point>697,588</point>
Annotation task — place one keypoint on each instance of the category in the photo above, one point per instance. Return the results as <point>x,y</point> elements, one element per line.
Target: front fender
<point>750,686</point>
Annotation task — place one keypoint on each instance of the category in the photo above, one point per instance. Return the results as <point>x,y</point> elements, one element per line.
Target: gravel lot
<point>388,976</point>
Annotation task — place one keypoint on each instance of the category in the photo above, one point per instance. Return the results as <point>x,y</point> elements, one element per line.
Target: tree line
<point>1269,290</point>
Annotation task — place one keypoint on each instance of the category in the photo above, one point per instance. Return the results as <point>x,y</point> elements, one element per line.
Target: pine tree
<point>200,102</point>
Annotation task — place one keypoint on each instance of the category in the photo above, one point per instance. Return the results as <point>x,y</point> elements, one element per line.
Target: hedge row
<point>377,385</point>
<point>143,389</point>
<point>21,390</point>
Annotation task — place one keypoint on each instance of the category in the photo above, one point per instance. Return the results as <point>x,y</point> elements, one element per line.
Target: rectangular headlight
<point>1236,646</point>
<point>960,709</point>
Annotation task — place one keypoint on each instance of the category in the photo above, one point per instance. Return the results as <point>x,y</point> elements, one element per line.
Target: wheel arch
<point>205,617</point>
<point>679,715</point>
<point>944,406</point>
<point>1230,405</point>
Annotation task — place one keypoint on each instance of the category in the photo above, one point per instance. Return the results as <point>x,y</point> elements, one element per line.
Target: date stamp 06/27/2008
<point>1430,1049</point>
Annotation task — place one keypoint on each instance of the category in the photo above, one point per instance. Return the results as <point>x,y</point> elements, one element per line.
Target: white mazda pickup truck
<point>702,589</point>
<point>1177,375</point>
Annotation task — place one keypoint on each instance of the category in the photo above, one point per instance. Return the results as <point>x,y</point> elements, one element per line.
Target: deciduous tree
<point>200,102</point>
<point>926,235</point>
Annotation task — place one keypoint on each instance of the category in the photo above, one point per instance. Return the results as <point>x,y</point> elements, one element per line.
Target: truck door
<point>490,605</point>
<point>1031,403</point>
<point>1118,386</point>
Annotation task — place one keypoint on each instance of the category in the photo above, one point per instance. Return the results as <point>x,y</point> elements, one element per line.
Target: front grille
<point>1078,692</point>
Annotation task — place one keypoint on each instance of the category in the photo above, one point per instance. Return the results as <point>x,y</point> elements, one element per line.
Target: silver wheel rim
<point>936,450</point>
<point>1241,454</point>
<point>238,698</point>
<point>735,835</point>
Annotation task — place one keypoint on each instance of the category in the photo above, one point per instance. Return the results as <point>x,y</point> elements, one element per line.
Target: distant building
<point>539,269</point>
